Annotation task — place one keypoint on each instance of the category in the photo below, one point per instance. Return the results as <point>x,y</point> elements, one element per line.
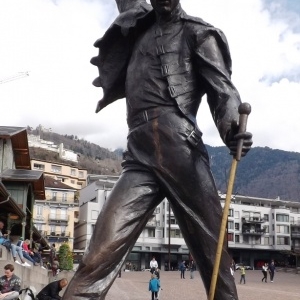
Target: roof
<point>19,140</point>
<point>33,176</point>
<point>51,182</point>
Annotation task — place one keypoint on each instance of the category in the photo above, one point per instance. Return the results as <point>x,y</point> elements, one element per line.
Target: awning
<point>33,176</point>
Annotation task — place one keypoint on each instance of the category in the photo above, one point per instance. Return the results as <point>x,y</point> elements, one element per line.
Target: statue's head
<point>164,7</point>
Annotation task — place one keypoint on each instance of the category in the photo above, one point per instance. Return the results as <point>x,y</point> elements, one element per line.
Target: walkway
<point>134,286</point>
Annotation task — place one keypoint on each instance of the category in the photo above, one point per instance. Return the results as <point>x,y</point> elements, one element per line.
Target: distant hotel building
<point>258,229</point>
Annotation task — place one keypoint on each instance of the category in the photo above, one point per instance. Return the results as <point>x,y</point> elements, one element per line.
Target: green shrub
<point>65,257</point>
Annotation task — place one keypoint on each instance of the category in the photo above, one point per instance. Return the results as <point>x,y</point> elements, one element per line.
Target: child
<point>243,275</point>
<point>154,285</point>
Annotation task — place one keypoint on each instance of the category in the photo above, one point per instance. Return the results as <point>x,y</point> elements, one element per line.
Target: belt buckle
<point>193,138</point>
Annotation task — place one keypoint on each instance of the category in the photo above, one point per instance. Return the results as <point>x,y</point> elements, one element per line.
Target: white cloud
<point>53,40</point>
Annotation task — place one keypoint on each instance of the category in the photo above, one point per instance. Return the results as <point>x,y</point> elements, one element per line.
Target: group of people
<point>268,268</point>
<point>10,286</point>
<point>21,248</point>
<point>154,283</point>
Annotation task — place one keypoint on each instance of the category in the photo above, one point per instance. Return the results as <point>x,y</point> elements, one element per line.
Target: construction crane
<point>14,77</point>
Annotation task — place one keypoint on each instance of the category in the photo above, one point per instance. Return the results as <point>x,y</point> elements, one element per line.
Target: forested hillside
<point>264,172</point>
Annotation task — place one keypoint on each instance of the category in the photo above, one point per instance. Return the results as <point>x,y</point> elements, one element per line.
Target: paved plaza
<point>134,286</point>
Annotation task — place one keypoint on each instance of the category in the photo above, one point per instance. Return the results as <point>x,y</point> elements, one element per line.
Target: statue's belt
<point>193,134</point>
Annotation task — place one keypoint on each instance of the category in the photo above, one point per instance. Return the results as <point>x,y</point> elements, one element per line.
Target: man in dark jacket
<point>51,291</point>
<point>10,284</point>
<point>163,61</point>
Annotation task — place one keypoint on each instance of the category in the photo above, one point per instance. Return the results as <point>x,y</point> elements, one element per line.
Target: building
<point>67,174</point>
<point>261,229</point>
<point>258,229</point>
<point>19,185</point>
<point>55,216</point>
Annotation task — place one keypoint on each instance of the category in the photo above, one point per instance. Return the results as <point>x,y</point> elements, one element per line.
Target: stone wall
<point>31,276</point>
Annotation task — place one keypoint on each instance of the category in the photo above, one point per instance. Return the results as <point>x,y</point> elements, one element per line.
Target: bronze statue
<point>162,61</point>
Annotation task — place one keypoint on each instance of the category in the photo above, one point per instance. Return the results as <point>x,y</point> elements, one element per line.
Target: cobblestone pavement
<point>134,286</point>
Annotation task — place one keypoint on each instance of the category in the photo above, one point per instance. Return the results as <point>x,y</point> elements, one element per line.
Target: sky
<point>53,41</point>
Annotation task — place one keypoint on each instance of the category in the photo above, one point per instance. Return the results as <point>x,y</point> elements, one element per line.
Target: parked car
<point>238,267</point>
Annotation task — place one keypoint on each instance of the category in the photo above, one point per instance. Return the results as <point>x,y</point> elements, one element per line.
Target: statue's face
<point>164,6</point>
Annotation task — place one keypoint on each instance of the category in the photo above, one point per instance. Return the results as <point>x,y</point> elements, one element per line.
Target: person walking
<point>265,272</point>
<point>10,284</point>
<point>162,62</point>
<point>272,270</point>
<point>243,274</point>
<point>154,286</point>
<point>182,268</point>
<point>153,265</point>
<point>192,269</point>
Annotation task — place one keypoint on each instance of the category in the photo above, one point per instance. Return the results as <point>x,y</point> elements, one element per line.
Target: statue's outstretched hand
<point>233,136</point>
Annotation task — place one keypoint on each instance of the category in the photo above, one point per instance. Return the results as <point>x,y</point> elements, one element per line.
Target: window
<point>175,233</point>
<point>230,237</point>
<point>230,213</point>
<point>237,226</point>
<point>39,210</point>
<point>237,238</point>
<point>272,216</point>
<point>266,217</point>
<point>267,240</point>
<point>55,169</point>
<point>236,214</point>
<point>72,181</point>
<point>157,210</point>
<point>151,232</point>
<point>38,166</point>
<point>73,172</point>
<point>283,229</point>
<point>282,218</point>
<point>64,197</point>
<point>80,174</point>
<point>54,195</point>
<point>267,229</point>
<point>230,225</point>
<point>62,179</point>
<point>157,223</point>
<point>283,240</point>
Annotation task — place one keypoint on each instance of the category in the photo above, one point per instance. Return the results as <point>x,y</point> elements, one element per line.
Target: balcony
<point>253,220</point>
<point>151,224</point>
<point>62,200</point>
<point>253,231</point>
<point>58,218</point>
<point>58,234</point>
<point>295,234</point>
<point>295,223</point>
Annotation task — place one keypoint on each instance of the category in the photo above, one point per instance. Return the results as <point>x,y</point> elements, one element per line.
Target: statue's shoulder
<point>195,20</point>
<point>197,26</point>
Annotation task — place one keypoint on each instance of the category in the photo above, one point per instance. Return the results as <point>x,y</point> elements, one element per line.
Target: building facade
<point>258,229</point>
<point>71,175</point>
<point>55,216</point>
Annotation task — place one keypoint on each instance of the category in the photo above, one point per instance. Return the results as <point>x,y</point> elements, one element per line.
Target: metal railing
<point>57,217</point>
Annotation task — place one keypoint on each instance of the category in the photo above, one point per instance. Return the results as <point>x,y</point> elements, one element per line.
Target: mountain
<point>264,172</point>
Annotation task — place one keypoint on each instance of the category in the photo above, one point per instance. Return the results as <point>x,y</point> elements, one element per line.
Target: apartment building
<point>258,229</point>
<point>55,216</point>
<point>68,174</point>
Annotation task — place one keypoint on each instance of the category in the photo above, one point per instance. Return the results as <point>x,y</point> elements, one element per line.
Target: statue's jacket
<point>197,63</point>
